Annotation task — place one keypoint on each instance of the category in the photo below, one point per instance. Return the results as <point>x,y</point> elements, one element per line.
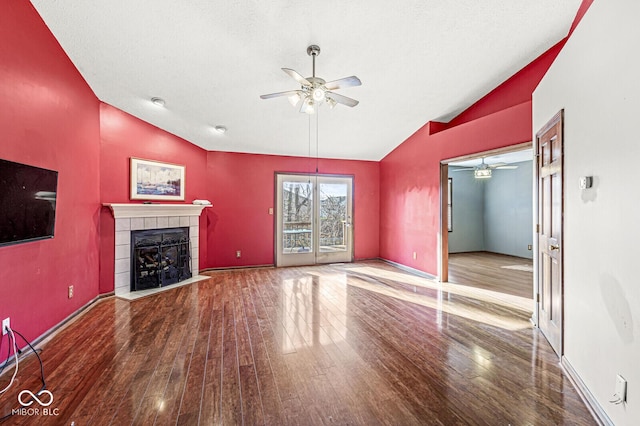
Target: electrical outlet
<point>70,292</point>
<point>621,389</point>
<point>6,323</point>
<point>238,254</point>
<point>529,247</point>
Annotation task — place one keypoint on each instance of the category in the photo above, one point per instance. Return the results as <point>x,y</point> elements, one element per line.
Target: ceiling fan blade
<point>297,77</point>
<point>342,99</point>
<point>496,165</point>
<point>462,169</point>
<point>343,82</point>
<point>506,167</point>
<point>275,95</point>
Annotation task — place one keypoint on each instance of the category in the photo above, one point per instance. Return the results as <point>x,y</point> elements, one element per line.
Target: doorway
<point>313,219</point>
<point>486,234</point>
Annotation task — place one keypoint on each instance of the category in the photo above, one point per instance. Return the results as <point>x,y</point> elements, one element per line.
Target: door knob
<point>554,247</point>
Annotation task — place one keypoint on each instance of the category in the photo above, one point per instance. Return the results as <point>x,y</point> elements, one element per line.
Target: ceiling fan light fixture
<point>314,91</point>
<point>308,106</point>
<point>482,173</point>
<point>294,100</point>
<point>318,94</point>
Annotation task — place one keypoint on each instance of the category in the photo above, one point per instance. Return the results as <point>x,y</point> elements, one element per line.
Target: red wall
<point>48,118</point>
<point>410,181</point>
<point>242,191</point>
<point>239,185</point>
<point>410,175</point>
<point>123,136</point>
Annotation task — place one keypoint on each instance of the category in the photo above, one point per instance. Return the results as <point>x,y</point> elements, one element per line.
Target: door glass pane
<point>333,217</point>
<point>297,217</point>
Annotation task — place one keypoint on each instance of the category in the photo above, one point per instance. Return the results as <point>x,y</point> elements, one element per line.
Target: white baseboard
<point>410,269</point>
<point>590,401</point>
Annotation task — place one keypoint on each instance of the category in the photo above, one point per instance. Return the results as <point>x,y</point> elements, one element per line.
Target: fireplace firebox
<point>159,257</point>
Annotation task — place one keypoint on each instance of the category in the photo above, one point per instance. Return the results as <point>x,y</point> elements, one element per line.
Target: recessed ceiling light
<point>220,129</point>
<point>158,101</point>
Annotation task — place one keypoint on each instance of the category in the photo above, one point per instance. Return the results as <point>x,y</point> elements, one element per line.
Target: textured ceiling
<point>418,60</point>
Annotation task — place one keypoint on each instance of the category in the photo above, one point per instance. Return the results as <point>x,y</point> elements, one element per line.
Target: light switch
<point>270,210</point>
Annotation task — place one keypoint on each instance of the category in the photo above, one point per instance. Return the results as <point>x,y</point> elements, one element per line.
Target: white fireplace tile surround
<point>137,217</point>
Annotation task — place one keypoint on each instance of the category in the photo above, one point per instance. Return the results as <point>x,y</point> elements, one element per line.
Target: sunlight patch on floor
<point>502,299</point>
<point>525,267</point>
<point>442,305</point>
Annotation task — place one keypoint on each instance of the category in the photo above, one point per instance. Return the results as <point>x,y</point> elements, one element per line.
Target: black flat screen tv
<point>27,202</point>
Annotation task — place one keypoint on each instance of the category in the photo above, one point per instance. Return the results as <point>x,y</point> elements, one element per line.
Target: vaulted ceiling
<point>210,60</point>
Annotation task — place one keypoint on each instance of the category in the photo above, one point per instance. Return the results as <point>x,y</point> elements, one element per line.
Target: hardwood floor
<point>493,271</point>
<point>360,344</point>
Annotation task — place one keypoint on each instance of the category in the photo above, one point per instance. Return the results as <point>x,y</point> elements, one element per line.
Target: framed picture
<point>153,180</point>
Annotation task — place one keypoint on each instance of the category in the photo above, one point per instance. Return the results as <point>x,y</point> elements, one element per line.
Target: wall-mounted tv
<point>27,202</point>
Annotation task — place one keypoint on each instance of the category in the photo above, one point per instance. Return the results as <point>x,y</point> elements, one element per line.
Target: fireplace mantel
<point>124,210</point>
<point>138,216</point>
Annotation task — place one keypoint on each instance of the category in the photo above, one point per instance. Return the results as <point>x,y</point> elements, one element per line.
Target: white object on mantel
<point>202,202</point>
<point>154,210</point>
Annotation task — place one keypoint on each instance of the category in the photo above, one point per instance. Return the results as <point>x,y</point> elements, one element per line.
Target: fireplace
<point>159,257</point>
<point>130,218</point>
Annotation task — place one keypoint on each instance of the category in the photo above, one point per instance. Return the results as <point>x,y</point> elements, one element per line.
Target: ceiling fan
<point>314,91</point>
<point>483,170</point>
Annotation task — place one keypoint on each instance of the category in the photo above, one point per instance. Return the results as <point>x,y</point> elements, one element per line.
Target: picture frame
<point>155,180</point>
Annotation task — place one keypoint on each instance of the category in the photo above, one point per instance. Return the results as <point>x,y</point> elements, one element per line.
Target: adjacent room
<point>319,212</point>
<point>490,222</point>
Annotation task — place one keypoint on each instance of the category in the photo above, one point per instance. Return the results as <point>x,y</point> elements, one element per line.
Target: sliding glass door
<point>313,221</point>
<point>295,243</point>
